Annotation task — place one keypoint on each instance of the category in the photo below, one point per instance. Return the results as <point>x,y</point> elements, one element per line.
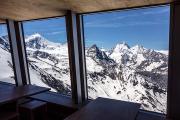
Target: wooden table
<point>11,94</point>
<point>14,93</point>
<point>107,109</point>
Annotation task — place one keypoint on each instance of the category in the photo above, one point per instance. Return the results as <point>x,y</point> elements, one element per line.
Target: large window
<point>6,66</point>
<point>47,54</point>
<point>127,56</point>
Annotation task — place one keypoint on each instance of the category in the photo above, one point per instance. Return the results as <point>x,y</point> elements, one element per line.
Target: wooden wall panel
<point>2,21</point>
<point>34,9</point>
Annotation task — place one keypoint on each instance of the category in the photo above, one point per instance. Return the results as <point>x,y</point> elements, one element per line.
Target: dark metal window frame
<point>173,106</point>
<point>41,19</point>
<point>17,48</point>
<point>170,40</point>
<point>81,47</point>
<point>11,53</point>
<point>76,44</point>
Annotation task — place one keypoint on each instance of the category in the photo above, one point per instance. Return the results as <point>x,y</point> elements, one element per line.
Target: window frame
<point>171,49</point>
<point>41,19</point>
<point>11,53</point>
<point>169,45</point>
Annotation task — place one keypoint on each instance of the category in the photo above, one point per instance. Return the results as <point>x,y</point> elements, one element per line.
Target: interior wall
<point>174,64</point>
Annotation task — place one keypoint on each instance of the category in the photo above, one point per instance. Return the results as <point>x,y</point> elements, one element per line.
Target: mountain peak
<point>99,56</point>
<point>36,36</point>
<point>93,49</point>
<point>138,49</point>
<point>94,46</point>
<point>138,46</point>
<point>121,46</point>
<point>36,41</point>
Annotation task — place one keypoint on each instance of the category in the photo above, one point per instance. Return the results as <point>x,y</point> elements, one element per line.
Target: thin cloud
<point>122,20</point>
<point>128,24</point>
<point>113,19</point>
<point>99,43</point>
<point>104,25</point>
<point>128,16</point>
<point>45,31</point>
<point>89,41</point>
<point>55,33</point>
<point>164,10</point>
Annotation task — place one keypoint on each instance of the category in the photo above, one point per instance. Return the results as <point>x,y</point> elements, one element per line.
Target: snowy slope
<point>126,73</point>
<point>6,68</point>
<point>48,63</point>
<point>138,75</point>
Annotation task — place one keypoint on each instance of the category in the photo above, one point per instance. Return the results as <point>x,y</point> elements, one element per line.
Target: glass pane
<point>47,52</point>
<point>127,56</point>
<point>6,66</point>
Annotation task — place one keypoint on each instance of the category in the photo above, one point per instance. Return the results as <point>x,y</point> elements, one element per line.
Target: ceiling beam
<point>2,21</point>
<point>20,10</point>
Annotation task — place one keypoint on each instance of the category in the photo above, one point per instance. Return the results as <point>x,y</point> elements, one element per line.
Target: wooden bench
<point>9,111</point>
<point>33,110</point>
<point>58,106</point>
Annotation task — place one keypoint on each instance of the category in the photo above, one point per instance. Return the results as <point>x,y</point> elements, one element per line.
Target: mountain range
<point>127,73</point>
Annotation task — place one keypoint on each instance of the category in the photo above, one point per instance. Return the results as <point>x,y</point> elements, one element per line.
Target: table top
<point>14,93</point>
<point>107,109</point>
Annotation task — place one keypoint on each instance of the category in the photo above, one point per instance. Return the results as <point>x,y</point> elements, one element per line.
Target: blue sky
<point>53,29</point>
<point>148,27</point>
<point>3,29</point>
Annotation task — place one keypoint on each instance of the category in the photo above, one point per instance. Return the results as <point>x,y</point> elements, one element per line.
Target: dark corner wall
<point>173,110</point>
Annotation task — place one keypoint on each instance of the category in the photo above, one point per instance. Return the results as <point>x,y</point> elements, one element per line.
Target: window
<point>127,56</point>
<point>6,65</point>
<point>47,54</point>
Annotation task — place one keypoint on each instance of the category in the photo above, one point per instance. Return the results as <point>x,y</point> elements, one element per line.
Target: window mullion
<point>17,44</point>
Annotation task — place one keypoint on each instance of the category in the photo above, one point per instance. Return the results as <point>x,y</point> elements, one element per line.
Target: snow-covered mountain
<point>48,63</point>
<point>6,67</point>
<point>137,74</point>
<point>134,74</point>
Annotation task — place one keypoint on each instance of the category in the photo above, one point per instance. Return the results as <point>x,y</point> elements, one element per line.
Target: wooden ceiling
<point>33,9</point>
<point>2,21</point>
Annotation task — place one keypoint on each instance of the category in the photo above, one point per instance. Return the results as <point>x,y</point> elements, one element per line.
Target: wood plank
<point>59,106</point>
<point>147,115</point>
<point>2,21</point>
<point>4,85</point>
<point>8,115</point>
<point>33,104</point>
<point>34,9</point>
<point>14,93</point>
<point>107,109</point>
<point>55,98</point>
